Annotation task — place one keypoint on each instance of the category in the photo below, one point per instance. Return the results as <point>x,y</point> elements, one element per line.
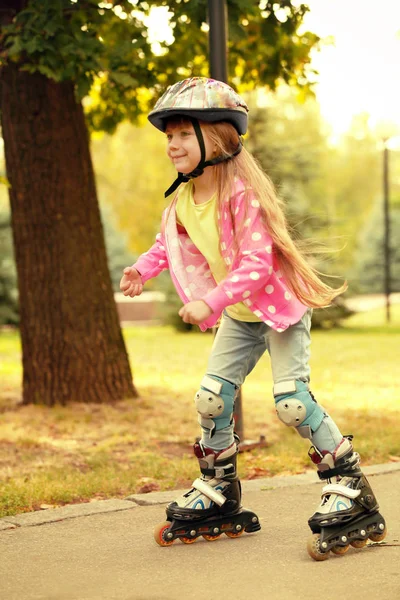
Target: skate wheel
<point>339,550</point>
<point>159,534</point>
<point>378,537</point>
<point>234,534</point>
<point>211,538</point>
<point>358,543</point>
<point>314,550</point>
<point>187,540</point>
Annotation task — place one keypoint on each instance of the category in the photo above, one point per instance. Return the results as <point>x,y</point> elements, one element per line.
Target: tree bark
<point>72,345</point>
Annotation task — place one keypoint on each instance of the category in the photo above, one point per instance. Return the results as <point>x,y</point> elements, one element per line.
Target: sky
<point>361,70</point>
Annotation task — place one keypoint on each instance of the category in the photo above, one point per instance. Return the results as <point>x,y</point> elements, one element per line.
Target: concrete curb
<point>70,511</point>
<point>261,485</point>
<point>73,511</point>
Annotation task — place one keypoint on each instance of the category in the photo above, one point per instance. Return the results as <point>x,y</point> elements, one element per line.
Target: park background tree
<point>54,53</point>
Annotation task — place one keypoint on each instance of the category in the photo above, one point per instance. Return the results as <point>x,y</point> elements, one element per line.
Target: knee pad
<point>296,407</point>
<point>214,403</point>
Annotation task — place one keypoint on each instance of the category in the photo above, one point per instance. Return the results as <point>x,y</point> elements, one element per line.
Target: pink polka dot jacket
<point>253,278</point>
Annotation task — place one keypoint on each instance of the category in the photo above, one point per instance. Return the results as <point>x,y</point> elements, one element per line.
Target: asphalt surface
<point>105,551</point>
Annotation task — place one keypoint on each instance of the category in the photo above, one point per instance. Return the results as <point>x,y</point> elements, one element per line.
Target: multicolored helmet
<point>201,98</point>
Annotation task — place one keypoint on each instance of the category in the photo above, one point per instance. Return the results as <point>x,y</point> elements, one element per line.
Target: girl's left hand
<point>195,312</point>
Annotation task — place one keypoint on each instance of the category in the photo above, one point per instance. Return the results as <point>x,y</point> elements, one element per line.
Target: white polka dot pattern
<point>253,280</point>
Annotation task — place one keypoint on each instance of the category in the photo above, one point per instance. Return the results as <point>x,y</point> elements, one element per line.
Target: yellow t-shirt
<point>200,222</point>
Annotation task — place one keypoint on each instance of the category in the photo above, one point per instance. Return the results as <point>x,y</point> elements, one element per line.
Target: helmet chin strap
<point>199,170</point>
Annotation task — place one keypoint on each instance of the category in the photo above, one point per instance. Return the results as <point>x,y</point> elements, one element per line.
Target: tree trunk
<point>72,344</point>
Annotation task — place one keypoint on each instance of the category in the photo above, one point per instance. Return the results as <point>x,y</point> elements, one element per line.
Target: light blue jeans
<point>237,348</point>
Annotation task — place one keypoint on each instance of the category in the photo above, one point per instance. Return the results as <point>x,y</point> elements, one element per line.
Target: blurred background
<point>82,181</point>
<point>322,139</point>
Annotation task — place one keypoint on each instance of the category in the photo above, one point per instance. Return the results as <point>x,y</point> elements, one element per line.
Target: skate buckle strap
<point>329,473</point>
<point>344,469</point>
<point>342,490</point>
<point>219,472</point>
<point>207,490</point>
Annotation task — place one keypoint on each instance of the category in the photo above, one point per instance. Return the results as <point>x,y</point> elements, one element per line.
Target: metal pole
<point>217,37</point>
<point>386,237</point>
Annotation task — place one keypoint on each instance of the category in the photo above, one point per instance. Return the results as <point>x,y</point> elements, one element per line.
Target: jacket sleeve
<point>253,264</point>
<point>151,263</point>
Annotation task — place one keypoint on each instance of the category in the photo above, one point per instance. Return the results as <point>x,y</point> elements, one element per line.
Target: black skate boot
<point>349,512</point>
<point>212,506</point>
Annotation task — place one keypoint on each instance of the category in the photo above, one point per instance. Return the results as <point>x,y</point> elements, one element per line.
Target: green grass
<point>82,452</point>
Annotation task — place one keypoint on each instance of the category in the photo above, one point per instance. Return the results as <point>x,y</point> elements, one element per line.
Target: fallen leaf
<point>255,472</point>
<point>152,486</point>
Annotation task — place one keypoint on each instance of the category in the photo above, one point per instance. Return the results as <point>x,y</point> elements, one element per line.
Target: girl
<point>225,240</point>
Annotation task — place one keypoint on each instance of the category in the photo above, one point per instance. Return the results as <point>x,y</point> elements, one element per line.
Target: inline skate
<point>348,514</point>
<point>212,506</point>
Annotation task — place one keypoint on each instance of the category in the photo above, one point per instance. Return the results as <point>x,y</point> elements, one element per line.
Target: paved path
<point>105,551</point>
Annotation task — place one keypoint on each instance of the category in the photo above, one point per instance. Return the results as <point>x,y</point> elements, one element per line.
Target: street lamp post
<point>386,236</point>
<point>217,37</point>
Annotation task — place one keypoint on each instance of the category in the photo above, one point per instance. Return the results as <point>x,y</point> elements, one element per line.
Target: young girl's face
<point>183,147</point>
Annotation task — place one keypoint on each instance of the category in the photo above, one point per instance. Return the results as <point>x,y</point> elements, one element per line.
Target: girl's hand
<point>195,312</point>
<point>131,282</point>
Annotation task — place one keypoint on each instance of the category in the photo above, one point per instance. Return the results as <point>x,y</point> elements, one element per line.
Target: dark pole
<point>386,238</point>
<point>217,16</point>
<point>217,37</point>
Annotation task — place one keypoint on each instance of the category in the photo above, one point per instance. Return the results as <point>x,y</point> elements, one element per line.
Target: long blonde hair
<point>301,277</point>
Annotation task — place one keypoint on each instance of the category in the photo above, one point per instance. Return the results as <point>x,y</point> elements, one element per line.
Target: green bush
<point>8,275</point>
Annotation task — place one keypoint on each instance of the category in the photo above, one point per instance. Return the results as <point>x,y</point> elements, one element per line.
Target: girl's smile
<point>183,147</point>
